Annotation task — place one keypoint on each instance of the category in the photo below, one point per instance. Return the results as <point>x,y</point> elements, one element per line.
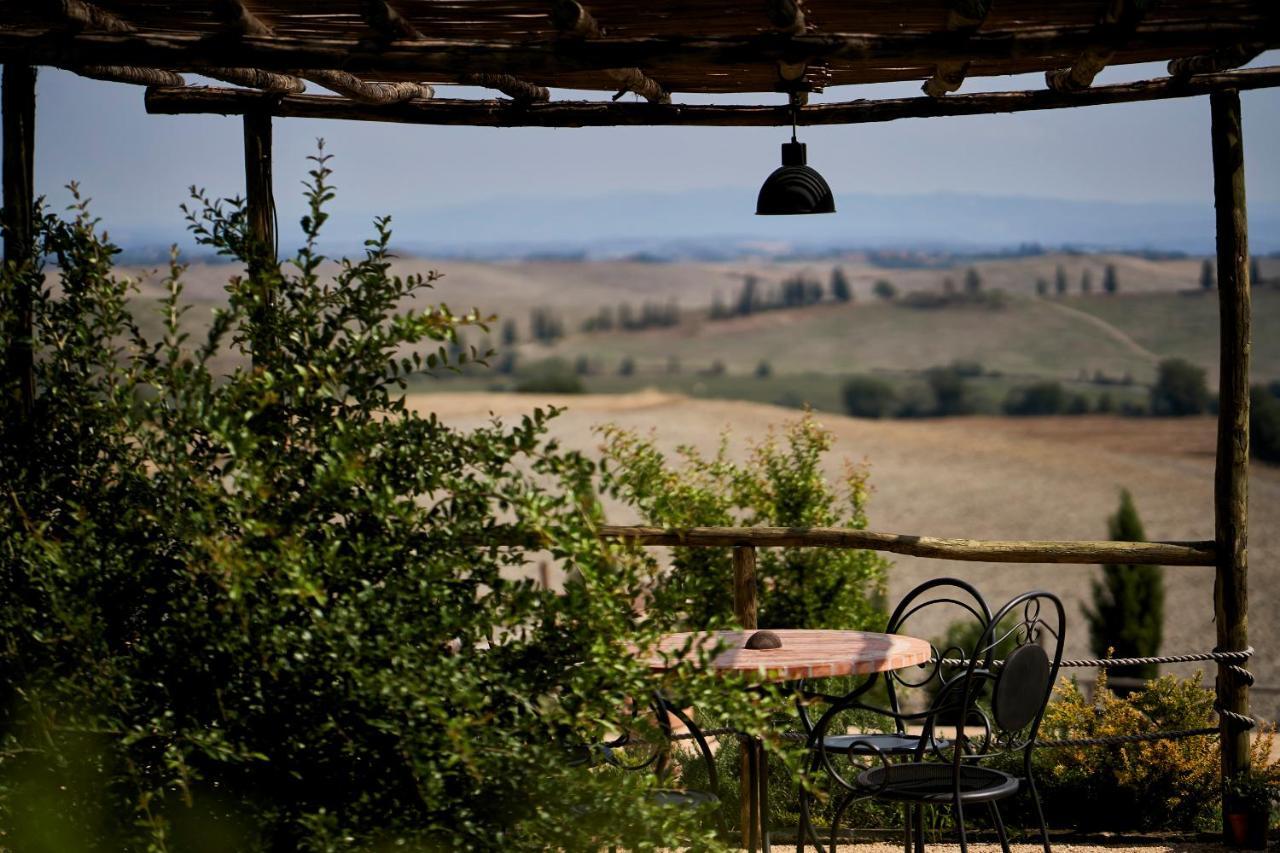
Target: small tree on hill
<point>1060,280</point>
<point>1086,282</point>
<point>1110,283</point>
<point>1264,425</point>
<point>1180,389</point>
<point>1208,278</point>
<point>868,397</point>
<point>1255,272</point>
<point>1127,616</point>
<point>884,289</point>
<point>840,290</point>
<point>1042,287</point>
<point>972,281</point>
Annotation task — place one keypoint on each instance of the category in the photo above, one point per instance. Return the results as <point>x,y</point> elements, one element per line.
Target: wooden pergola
<point>383,60</point>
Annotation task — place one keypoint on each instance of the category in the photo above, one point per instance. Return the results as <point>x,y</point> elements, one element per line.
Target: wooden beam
<point>1221,60</point>
<point>130,74</point>
<point>573,20</point>
<point>1116,25</point>
<point>81,15</point>
<point>786,16</point>
<point>267,81</point>
<point>238,19</point>
<point>1231,481</point>
<point>513,87</point>
<point>365,92</point>
<point>18,101</point>
<point>447,58</point>
<point>594,114</point>
<point>966,17</point>
<point>745,593</point>
<point>260,206</point>
<point>1082,552</point>
<point>635,80</point>
<point>387,22</point>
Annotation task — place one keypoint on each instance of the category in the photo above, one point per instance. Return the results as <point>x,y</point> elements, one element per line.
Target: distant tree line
<point>650,315</point>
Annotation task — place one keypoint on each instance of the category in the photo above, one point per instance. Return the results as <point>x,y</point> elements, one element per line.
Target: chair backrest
<point>1030,632</point>
<point>946,604</point>
<point>933,606</point>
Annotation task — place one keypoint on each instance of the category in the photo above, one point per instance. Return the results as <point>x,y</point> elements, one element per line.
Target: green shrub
<point>552,376</point>
<point>1148,785</point>
<point>868,397</point>
<point>1180,389</point>
<point>781,483</point>
<point>1264,425</point>
<point>1127,616</point>
<point>252,608</point>
<point>1039,398</point>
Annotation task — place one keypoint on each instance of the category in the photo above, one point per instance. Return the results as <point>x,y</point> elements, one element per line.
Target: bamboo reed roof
<point>393,51</point>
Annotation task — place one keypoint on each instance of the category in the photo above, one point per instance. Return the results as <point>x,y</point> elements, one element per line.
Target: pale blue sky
<point>138,167</point>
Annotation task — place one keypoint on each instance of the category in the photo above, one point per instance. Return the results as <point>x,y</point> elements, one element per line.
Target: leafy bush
<point>1180,389</point>
<point>868,397</point>
<point>552,376</point>
<point>1163,784</point>
<point>781,483</point>
<point>254,609</point>
<point>1127,616</point>
<point>1264,424</point>
<point>1039,398</point>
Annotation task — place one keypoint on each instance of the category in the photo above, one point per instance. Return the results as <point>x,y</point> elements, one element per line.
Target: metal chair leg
<point>753,816</point>
<point>835,818</point>
<point>1044,828</point>
<point>919,811</point>
<point>964,837</point>
<point>906,828</point>
<point>762,777</point>
<point>999,824</point>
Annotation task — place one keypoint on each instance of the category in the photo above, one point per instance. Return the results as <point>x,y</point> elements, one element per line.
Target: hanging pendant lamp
<point>794,188</point>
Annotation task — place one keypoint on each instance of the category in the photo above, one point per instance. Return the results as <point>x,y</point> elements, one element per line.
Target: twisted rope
<point>1104,663</point>
<point>1134,738</point>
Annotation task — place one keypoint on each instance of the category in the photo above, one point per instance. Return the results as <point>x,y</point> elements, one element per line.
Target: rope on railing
<point>1175,734</point>
<point>1105,663</point>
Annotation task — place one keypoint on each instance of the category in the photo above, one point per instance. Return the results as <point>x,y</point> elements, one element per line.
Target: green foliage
<point>884,289</point>
<point>868,397</point>
<point>949,389</point>
<point>1148,785</point>
<point>1264,424</point>
<point>840,289</point>
<point>1180,389</point>
<point>553,376</point>
<point>1110,281</point>
<point>781,484</point>
<point>1127,617</point>
<point>1039,398</point>
<point>1208,275</point>
<point>254,609</point>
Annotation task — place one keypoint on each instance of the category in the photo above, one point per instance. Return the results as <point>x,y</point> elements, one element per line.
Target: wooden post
<point>19,106</point>
<point>1231,481</point>
<point>261,207</point>
<point>745,611</point>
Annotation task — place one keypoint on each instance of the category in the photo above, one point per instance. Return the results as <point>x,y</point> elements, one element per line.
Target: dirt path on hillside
<point>988,478</point>
<point>1116,334</point>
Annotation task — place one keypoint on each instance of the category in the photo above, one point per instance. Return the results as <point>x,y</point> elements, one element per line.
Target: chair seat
<point>693,800</point>
<point>934,782</point>
<point>876,743</point>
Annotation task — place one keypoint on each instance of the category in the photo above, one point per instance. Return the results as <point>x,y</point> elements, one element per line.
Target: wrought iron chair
<point>955,774</point>
<point>618,753</point>
<point>952,598</point>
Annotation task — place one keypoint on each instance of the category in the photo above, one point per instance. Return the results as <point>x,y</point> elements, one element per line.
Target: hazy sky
<point>137,167</point>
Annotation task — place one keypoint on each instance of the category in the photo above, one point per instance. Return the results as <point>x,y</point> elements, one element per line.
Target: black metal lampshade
<point>794,187</point>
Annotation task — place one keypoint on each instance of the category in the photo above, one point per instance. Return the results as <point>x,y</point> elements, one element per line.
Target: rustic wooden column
<point>1231,482</point>
<point>19,107</point>
<point>261,208</point>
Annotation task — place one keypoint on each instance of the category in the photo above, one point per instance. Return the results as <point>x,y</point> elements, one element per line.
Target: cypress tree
<point>1128,604</point>
<point>1208,279</point>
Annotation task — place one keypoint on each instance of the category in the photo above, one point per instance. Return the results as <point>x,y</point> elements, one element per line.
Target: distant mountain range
<point>716,224</point>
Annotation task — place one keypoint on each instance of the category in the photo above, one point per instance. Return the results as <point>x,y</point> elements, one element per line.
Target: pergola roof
<point>651,47</point>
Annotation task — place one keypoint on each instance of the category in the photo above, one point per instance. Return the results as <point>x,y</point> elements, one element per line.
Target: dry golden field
<point>990,478</point>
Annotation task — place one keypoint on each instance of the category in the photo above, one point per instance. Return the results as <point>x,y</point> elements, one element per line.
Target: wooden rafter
<point>1115,26</point>
<point>130,74</point>
<point>365,92</point>
<point>512,87</point>
<point>1220,60</point>
<point>386,21</point>
<point>239,19</point>
<point>82,15</point>
<point>597,114</point>
<point>445,59</point>
<point>267,81</point>
<point>964,17</point>
<point>575,23</point>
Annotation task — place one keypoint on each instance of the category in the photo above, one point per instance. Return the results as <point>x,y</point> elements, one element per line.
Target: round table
<point>804,654</point>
